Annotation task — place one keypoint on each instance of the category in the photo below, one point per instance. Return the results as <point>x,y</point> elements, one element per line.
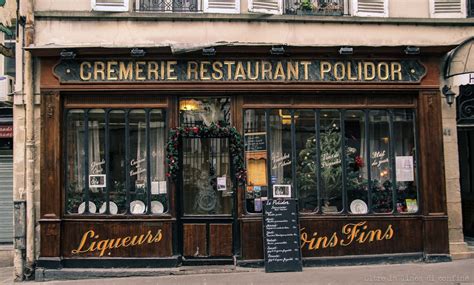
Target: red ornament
<point>359,161</point>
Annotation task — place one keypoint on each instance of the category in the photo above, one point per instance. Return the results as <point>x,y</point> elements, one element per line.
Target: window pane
<point>207,185</point>
<point>256,159</point>
<point>380,162</point>
<point>404,138</point>
<point>280,148</point>
<point>117,161</point>
<point>204,111</point>
<point>306,160</point>
<point>331,167</point>
<point>96,157</point>
<point>138,157</point>
<point>75,160</point>
<point>159,198</point>
<point>356,168</point>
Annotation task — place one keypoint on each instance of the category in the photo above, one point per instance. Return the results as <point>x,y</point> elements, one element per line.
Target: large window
<point>332,160</point>
<point>115,161</point>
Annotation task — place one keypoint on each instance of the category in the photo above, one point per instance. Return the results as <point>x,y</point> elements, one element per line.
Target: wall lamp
<point>277,50</point>
<point>346,50</point>
<point>137,52</point>
<point>210,51</point>
<point>67,54</point>
<point>412,50</point>
<point>449,95</point>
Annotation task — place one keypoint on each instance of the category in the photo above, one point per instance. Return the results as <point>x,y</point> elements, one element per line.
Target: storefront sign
<point>350,234</point>
<point>6,132</point>
<point>318,70</point>
<point>255,142</point>
<point>92,242</point>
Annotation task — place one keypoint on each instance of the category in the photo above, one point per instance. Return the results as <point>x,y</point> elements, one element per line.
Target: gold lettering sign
<point>285,70</point>
<point>353,233</point>
<point>91,242</point>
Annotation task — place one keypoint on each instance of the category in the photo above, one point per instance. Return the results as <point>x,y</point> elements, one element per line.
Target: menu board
<point>281,238</point>
<point>255,141</point>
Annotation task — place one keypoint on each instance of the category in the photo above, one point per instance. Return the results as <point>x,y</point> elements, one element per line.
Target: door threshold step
<point>207,261</point>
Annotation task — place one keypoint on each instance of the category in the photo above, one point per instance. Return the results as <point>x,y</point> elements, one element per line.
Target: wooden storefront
<point>105,137</point>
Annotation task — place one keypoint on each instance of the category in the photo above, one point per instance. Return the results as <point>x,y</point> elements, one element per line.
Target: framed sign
<point>97,181</point>
<point>255,142</point>
<point>282,191</point>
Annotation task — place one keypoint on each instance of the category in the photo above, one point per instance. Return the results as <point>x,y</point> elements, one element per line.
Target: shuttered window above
<point>222,6</point>
<point>266,6</point>
<point>370,8</point>
<point>110,5</point>
<point>448,8</point>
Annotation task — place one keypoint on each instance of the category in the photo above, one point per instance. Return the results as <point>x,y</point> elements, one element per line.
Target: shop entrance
<point>207,199</point>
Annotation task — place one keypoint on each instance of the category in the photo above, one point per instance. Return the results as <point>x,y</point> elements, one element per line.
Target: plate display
<point>82,208</point>
<point>157,207</point>
<point>137,207</point>
<point>112,208</point>
<point>358,207</point>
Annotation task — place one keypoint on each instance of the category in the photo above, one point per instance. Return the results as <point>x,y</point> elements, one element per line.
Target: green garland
<point>214,131</point>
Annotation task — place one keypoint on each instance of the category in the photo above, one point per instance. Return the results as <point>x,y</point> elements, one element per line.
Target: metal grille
<point>169,5</point>
<point>6,199</point>
<point>470,12</point>
<point>465,105</point>
<point>315,7</point>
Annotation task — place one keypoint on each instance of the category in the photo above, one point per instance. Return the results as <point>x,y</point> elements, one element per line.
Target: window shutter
<point>448,8</point>
<point>110,5</point>
<point>370,8</point>
<point>266,6</point>
<point>222,6</point>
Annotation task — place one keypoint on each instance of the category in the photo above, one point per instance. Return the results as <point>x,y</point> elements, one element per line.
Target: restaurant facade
<point>166,160</point>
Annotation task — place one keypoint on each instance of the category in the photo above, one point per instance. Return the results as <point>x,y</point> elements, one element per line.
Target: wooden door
<point>207,209</point>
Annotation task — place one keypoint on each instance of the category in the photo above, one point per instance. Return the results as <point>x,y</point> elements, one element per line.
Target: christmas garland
<point>214,131</point>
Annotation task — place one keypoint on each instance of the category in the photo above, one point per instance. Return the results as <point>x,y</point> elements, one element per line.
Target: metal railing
<point>168,5</point>
<point>314,7</point>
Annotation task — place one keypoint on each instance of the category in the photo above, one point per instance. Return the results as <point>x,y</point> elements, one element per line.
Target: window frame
<point>461,14</point>
<point>355,10</point>
<point>85,195</point>
<point>344,194</point>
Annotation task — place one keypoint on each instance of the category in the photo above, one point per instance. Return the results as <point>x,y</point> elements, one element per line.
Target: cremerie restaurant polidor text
<point>162,159</point>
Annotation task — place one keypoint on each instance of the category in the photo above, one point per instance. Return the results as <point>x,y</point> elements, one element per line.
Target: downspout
<point>30,138</point>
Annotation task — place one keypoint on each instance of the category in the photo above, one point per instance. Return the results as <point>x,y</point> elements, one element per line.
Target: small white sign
<point>97,181</point>
<point>404,167</point>
<point>221,183</point>
<point>162,187</point>
<point>282,191</point>
<point>155,188</point>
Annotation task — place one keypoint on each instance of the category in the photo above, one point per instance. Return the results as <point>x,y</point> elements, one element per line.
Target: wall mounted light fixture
<point>67,54</point>
<point>412,50</point>
<point>346,50</point>
<point>210,51</point>
<point>137,52</point>
<point>449,94</point>
<point>277,50</point>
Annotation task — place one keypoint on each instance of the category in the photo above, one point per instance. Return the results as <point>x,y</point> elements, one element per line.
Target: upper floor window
<point>110,5</point>
<point>448,8</point>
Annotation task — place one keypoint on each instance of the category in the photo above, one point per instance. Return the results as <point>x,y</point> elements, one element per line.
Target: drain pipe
<point>27,10</point>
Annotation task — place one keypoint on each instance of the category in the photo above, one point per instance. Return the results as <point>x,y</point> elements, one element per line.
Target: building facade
<point>154,132</point>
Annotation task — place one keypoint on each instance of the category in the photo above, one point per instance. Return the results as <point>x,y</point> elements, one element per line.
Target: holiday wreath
<point>214,131</point>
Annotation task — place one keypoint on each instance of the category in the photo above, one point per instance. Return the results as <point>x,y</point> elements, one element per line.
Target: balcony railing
<point>169,5</point>
<point>315,7</point>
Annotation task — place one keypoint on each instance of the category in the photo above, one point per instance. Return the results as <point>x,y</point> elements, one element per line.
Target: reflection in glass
<point>380,162</point>
<point>137,163</point>
<point>159,186</point>
<point>280,147</point>
<point>204,111</point>
<point>96,123</point>
<point>404,138</point>
<point>306,160</point>
<point>256,159</point>
<point>75,168</point>
<point>207,184</point>
<point>117,160</point>
<point>331,163</point>
<point>356,168</point>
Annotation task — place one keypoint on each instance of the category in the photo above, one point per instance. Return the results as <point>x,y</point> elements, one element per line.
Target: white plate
<point>157,207</point>
<point>82,208</point>
<point>137,207</point>
<point>358,207</point>
<point>112,208</point>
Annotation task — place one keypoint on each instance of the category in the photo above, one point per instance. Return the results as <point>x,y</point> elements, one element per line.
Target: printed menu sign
<point>255,142</point>
<point>281,237</point>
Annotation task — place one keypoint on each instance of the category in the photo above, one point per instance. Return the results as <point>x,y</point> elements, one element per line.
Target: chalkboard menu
<point>281,237</point>
<point>255,142</point>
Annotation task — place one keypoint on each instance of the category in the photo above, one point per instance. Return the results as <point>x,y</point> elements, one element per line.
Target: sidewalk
<point>456,272</point>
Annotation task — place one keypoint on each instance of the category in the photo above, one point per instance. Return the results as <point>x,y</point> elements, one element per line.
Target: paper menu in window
<point>155,188</point>
<point>162,187</point>
<point>222,183</point>
<point>404,168</point>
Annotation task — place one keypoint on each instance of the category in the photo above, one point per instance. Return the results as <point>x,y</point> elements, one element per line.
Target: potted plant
<point>305,7</point>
